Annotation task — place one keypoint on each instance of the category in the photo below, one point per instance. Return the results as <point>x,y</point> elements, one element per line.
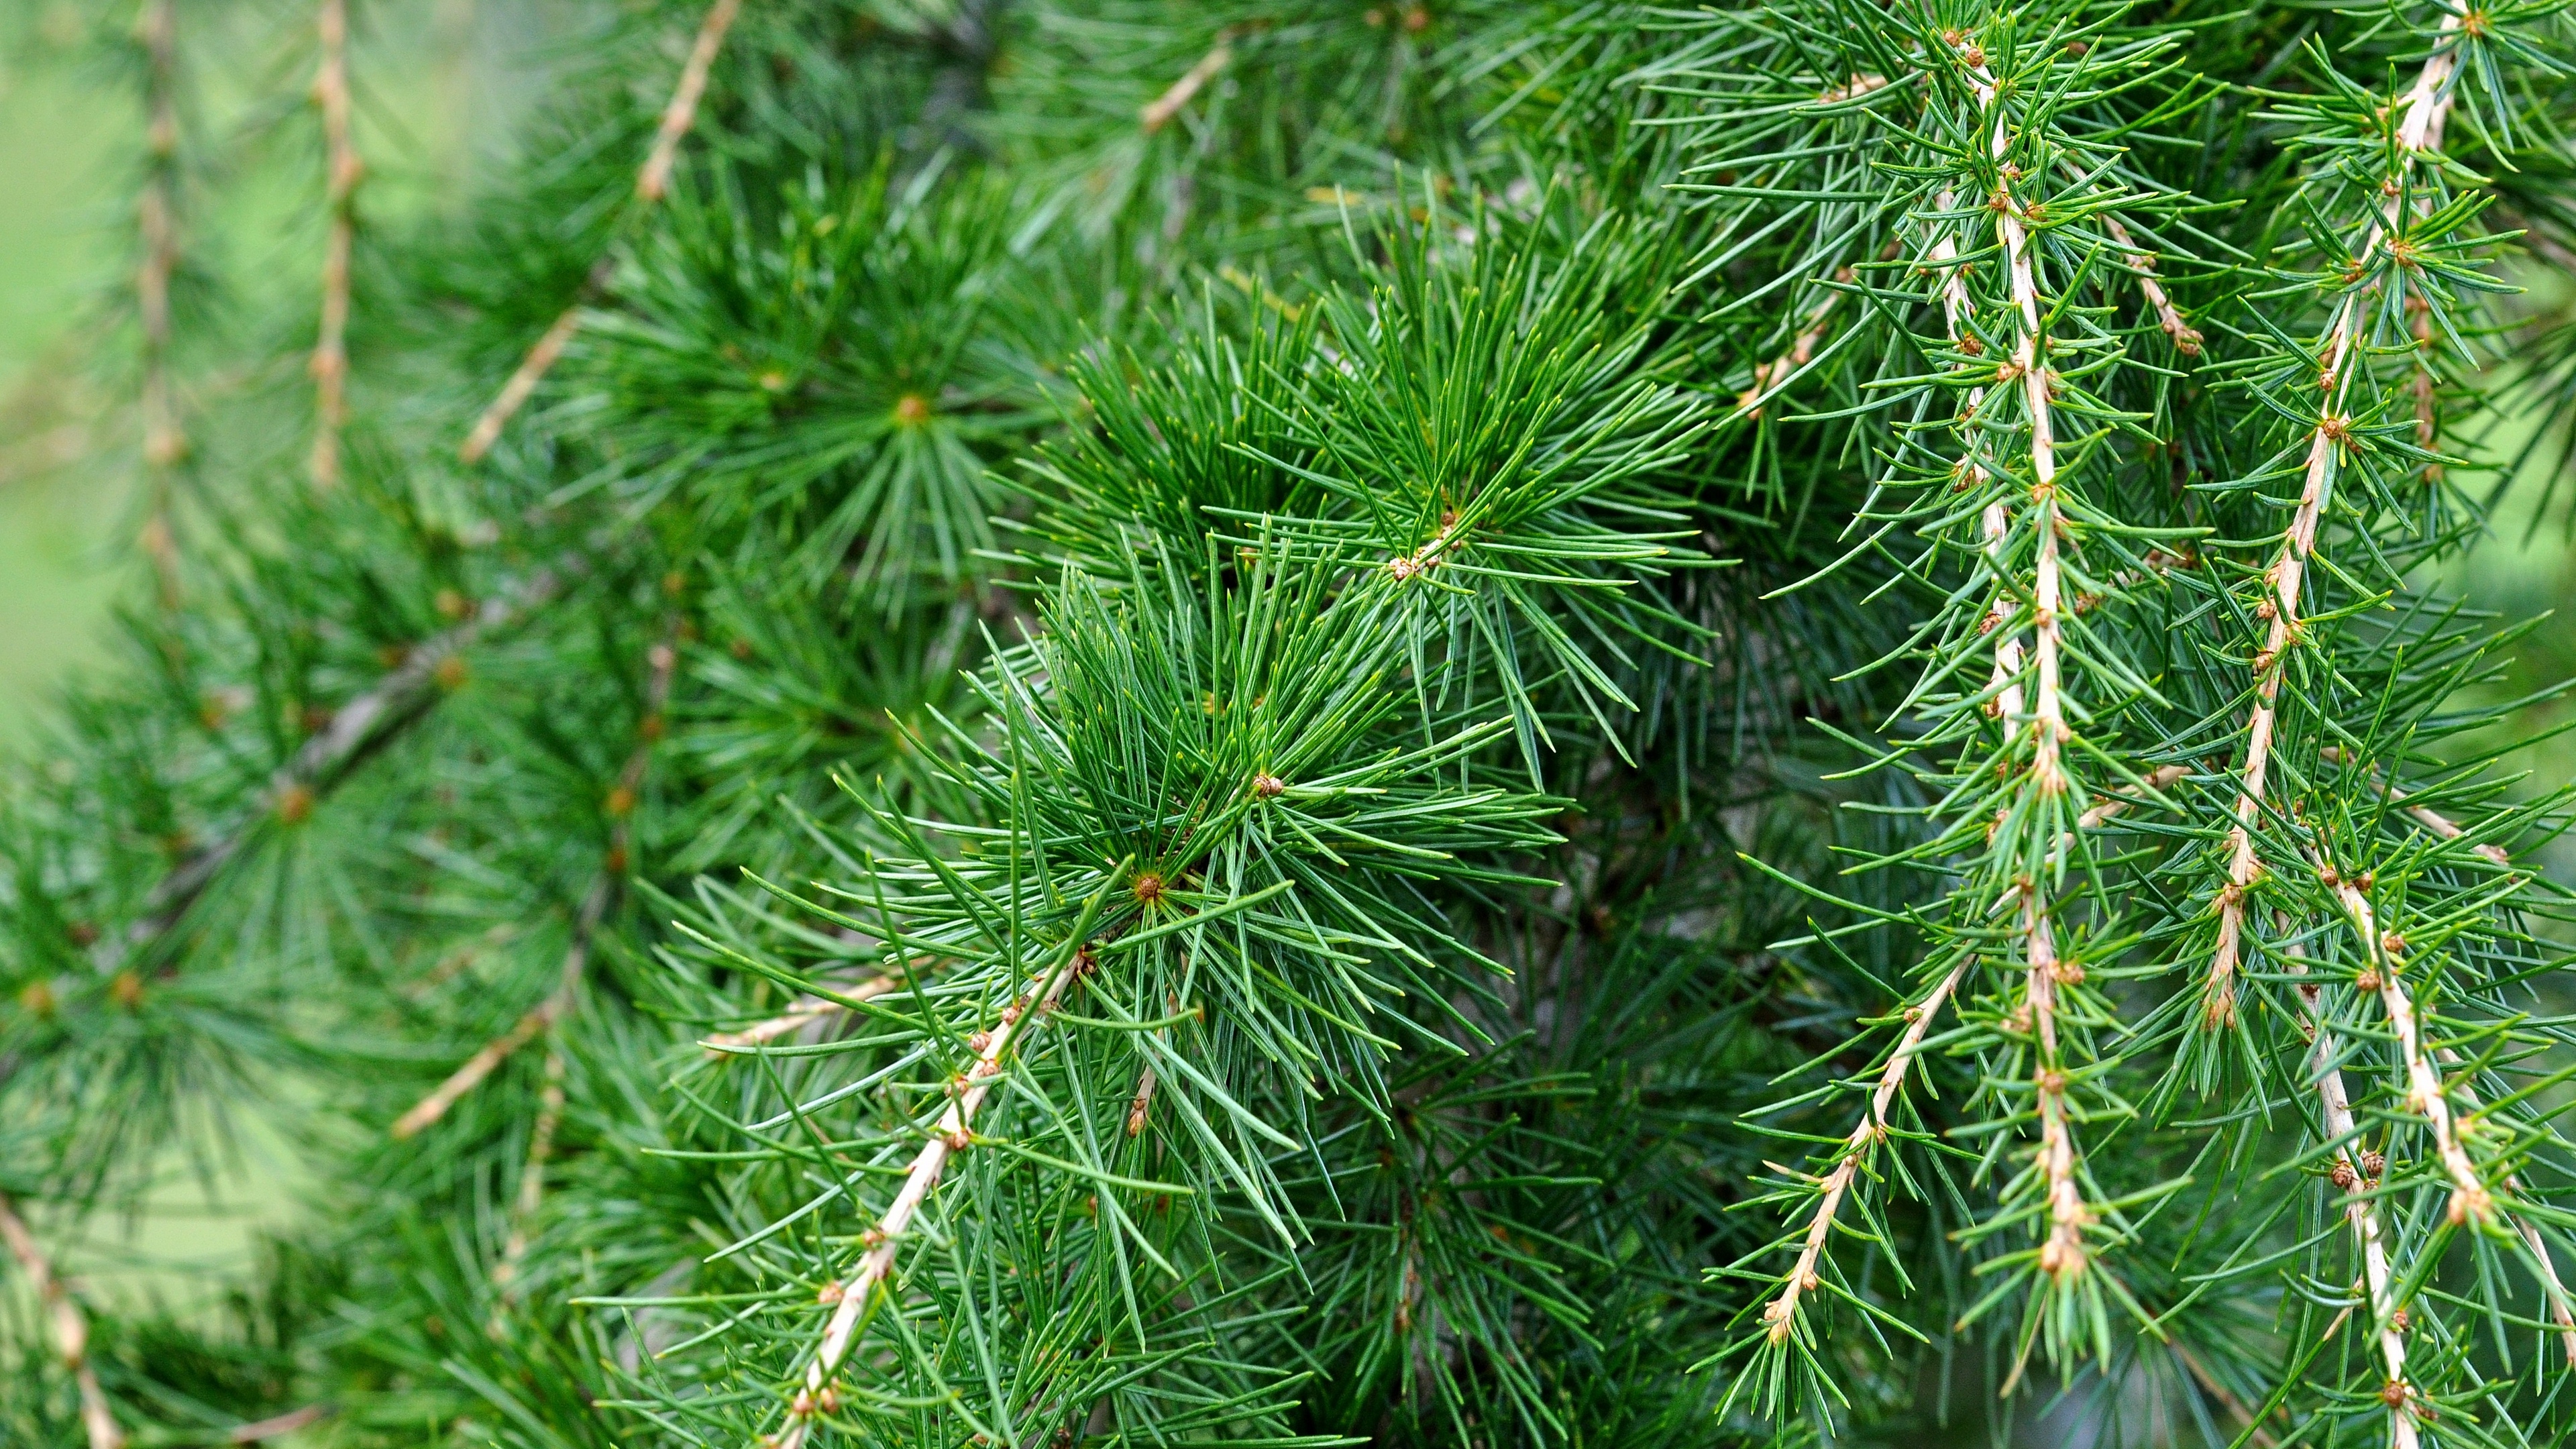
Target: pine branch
<point>2359,1183</point>
<point>403,696</point>
<point>2422,110</point>
<point>330,364</point>
<point>70,1327</point>
<point>853,1300</point>
<point>652,181</point>
<point>1158,112</point>
<point>165,440</point>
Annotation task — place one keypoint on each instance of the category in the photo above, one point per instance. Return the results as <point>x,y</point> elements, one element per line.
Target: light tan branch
<point>804,1012</point>
<point>952,1135</point>
<point>2361,1210</point>
<point>70,1327</point>
<point>1157,113</point>
<point>1781,1313</point>
<point>2425,1094</point>
<point>165,441</point>
<point>2419,129</point>
<point>652,182</point>
<point>538,1020</point>
<point>330,364</point>
<point>2432,820</point>
<point>278,1426</point>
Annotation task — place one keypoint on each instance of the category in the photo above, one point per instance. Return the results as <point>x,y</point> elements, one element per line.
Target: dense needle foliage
<point>1111,722</point>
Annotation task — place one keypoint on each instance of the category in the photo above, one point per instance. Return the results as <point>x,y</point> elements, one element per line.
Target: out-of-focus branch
<point>652,181</point>
<point>70,1327</point>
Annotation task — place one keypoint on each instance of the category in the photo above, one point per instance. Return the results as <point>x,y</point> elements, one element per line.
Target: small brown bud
<point>294,804</point>
<point>451,673</point>
<point>1149,889</point>
<point>739,648</point>
<point>449,604</point>
<point>2343,1176</point>
<point>36,998</point>
<point>620,801</point>
<point>126,989</point>
<point>1268,786</point>
<point>828,1294</point>
<point>2368,980</point>
<point>911,410</point>
<point>2374,1164</point>
<point>82,934</point>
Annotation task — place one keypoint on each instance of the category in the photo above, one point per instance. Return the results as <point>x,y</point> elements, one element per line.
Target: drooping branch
<point>2426,1097</point>
<point>1781,1313</point>
<point>165,441</point>
<point>330,364</point>
<point>70,1327</point>
<point>652,181</point>
<point>2422,111</point>
<point>2361,1205</point>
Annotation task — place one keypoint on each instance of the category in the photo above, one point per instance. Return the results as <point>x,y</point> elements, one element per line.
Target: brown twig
<point>330,364</point>
<point>1781,1313</point>
<point>2418,131</point>
<point>652,181</point>
<point>70,1327</point>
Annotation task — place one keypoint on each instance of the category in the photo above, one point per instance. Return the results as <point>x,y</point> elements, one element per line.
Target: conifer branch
<point>953,1134</point>
<point>2062,1256</point>
<point>165,440</point>
<point>2426,1096</point>
<point>1781,1313</point>
<point>2552,1288</point>
<point>395,701</point>
<point>652,181</point>
<point>2442,826</point>
<point>663,662</point>
<point>2421,110</point>
<point>1157,113</point>
<point>70,1327</point>
<point>2356,1176</point>
<point>804,1012</point>
<point>330,364</point>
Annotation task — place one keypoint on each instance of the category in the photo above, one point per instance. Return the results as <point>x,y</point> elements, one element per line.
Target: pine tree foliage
<point>1124,723</point>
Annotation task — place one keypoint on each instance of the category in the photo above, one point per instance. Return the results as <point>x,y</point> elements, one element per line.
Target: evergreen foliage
<point>1108,722</point>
